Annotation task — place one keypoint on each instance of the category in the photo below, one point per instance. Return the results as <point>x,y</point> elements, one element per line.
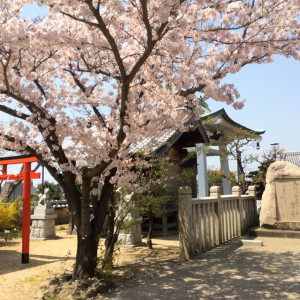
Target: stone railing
<point>210,221</point>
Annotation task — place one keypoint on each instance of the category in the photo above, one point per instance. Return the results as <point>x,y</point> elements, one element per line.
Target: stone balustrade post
<point>215,193</point>
<point>236,191</point>
<point>185,221</point>
<point>252,192</point>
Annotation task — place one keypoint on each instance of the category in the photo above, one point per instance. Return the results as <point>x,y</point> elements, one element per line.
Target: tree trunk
<point>87,240</point>
<point>240,171</point>
<point>109,251</point>
<point>151,225</point>
<point>111,238</point>
<point>86,257</point>
<point>88,228</point>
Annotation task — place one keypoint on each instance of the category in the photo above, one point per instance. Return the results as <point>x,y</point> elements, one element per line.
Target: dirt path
<point>231,271</point>
<point>53,257</point>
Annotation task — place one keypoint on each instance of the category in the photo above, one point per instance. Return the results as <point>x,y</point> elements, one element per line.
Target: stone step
<point>262,232</point>
<point>247,242</point>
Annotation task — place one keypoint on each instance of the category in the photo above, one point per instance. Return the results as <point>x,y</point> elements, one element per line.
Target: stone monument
<point>43,219</point>
<point>280,205</point>
<point>131,236</point>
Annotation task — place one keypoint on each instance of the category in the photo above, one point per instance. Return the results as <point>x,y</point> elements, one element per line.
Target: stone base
<point>44,239</point>
<point>131,237</point>
<point>43,229</point>
<point>263,232</point>
<point>71,232</point>
<point>284,226</point>
<point>132,245</point>
<point>43,223</point>
<point>43,211</point>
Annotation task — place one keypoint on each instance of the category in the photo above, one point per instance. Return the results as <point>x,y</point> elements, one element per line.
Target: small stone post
<point>236,191</point>
<point>215,193</point>
<point>252,190</point>
<point>185,221</point>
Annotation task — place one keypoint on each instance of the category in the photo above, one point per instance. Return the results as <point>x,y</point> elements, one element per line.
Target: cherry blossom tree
<point>83,85</point>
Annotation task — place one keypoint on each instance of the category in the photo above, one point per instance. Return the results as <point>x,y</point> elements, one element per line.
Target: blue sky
<point>272,94</point>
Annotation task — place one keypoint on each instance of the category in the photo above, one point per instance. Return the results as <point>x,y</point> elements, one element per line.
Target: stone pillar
<point>43,223</point>
<point>252,192</point>
<point>202,170</point>
<point>215,193</point>
<point>131,236</point>
<point>225,168</point>
<point>185,221</point>
<point>236,191</point>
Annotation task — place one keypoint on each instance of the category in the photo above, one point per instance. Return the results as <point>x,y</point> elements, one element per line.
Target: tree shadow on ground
<point>171,237</point>
<point>7,243</point>
<point>13,259</point>
<point>225,273</point>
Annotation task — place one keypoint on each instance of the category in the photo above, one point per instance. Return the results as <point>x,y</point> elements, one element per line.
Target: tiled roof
<point>150,145</point>
<point>164,136</point>
<point>167,136</point>
<point>293,157</point>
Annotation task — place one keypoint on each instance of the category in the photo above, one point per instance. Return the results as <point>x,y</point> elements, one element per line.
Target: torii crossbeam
<point>26,175</point>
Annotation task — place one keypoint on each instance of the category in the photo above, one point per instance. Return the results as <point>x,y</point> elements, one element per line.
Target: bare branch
<point>13,112</point>
<point>101,25</point>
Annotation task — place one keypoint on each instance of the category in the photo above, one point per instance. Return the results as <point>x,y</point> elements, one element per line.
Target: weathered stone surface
<point>280,206</point>
<point>131,237</point>
<point>43,223</point>
<point>43,210</point>
<point>252,242</point>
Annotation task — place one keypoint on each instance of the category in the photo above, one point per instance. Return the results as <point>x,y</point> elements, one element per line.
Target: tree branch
<point>102,26</point>
<point>13,112</point>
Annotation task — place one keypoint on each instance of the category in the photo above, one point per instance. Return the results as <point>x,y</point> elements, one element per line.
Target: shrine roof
<point>222,113</point>
<point>207,124</point>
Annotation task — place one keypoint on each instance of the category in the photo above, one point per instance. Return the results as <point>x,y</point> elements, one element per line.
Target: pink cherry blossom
<point>88,81</point>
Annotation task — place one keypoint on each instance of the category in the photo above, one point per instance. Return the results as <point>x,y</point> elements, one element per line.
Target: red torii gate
<point>26,175</point>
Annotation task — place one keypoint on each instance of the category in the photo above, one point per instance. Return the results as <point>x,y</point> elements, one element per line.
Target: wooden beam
<point>17,160</point>
<point>20,176</point>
